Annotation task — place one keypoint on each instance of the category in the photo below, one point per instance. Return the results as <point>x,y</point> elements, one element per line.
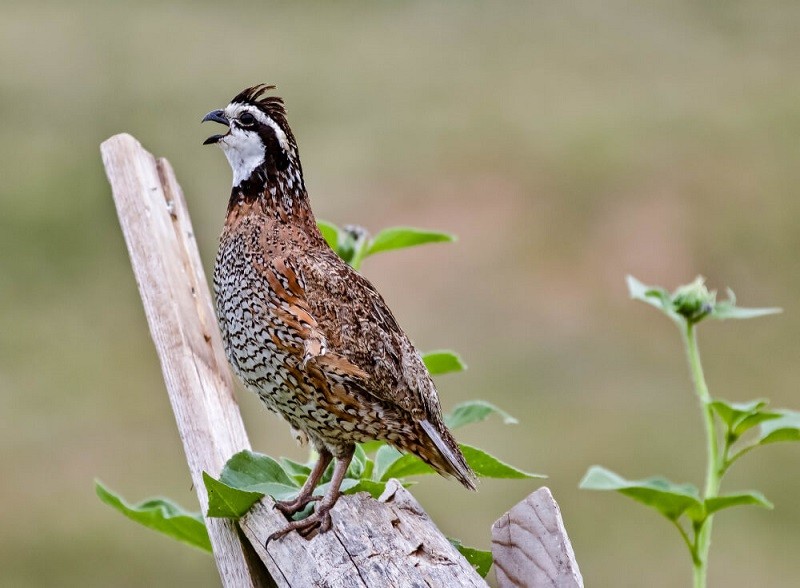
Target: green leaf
<point>727,309</point>
<point>246,477</point>
<point>748,497</point>
<point>488,466</point>
<point>373,487</point>
<point>372,446</point>
<point>357,465</point>
<point>296,471</point>
<point>228,502</point>
<point>401,237</point>
<point>652,295</point>
<point>475,411</point>
<point>739,417</point>
<point>694,301</point>
<point>732,412</point>
<point>385,457</point>
<point>784,428</point>
<point>478,558</point>
<point>353,243</point>
<point>160,515</point>
<point>369,465</point>
<point>276,490</point>
<point>406,465</point>
<point>330,233</point>
<point>443,362</point>
<point>248,469</point>
<point>484,465</point>
<point>671,500</point>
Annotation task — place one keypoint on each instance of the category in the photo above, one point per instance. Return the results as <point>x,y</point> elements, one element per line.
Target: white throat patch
<point>245,152</point>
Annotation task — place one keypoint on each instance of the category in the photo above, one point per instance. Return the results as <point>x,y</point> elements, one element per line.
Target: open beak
<point>217,116</point>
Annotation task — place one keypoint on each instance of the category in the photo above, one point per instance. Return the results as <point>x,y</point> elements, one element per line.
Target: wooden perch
<point>155,221</point>
<point>389,543</point>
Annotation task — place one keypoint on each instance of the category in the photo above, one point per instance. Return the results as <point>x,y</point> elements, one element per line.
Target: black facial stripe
<point>274,151</point>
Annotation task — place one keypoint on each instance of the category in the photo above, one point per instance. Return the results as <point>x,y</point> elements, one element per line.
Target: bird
<point>303,330</point>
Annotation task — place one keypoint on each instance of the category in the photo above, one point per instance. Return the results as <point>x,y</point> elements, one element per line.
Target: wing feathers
<point>453,463</point>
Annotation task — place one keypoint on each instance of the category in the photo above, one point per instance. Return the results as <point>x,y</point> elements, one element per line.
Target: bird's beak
<point>217,116</point>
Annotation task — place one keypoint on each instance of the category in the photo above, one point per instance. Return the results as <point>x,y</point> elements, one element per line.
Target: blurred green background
<point>567,144</point>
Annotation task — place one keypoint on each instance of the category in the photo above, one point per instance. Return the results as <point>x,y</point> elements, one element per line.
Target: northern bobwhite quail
<point>301,328</point>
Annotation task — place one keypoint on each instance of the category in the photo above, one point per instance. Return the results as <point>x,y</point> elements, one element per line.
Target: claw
<point>321,518</point>
<point>319,521</point>
<point>290,507</point>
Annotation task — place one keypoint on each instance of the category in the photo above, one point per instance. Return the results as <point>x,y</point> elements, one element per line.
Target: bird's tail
<point>447,458</point>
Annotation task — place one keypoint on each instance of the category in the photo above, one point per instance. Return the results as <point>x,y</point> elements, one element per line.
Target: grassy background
<point>567,145</point>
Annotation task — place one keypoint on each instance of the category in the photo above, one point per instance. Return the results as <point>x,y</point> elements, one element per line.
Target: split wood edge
<point>158,233</point>
<point>392,540</point>
<point>531,547</point>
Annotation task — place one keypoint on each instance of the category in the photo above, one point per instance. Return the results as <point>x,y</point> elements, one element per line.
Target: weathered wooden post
<point>158,232</point>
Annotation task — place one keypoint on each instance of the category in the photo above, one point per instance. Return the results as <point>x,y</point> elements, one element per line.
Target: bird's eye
<point>247,119</point>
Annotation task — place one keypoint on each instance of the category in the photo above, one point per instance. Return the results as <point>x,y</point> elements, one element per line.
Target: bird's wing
<point>296,314</point>
<point>354,336</point>
<point>337,305</point>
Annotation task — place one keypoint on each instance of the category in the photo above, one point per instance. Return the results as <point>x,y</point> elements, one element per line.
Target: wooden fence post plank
<point>531,548</point>
<point>391,542</point>
<point>158,233</point>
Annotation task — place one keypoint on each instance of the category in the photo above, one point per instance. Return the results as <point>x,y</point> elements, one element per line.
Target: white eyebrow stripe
<point>237,108</point>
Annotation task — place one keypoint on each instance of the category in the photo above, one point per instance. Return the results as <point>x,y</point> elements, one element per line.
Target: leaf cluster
<point>733,429</point>
<point>693,302</point>
<point>354,244</point>
<point>248,476</point>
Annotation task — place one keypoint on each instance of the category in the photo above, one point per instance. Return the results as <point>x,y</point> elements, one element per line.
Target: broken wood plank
<point>158,233</point>
<point>531,548</point>
<point>389,542</point>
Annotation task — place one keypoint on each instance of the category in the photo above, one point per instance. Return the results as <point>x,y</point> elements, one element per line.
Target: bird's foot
<point>319,521</point>
<point>291,507</point>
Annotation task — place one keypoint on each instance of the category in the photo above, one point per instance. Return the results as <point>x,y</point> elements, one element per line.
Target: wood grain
<point>390,542</point>
<point>158,233</point>
<point>531,548</point>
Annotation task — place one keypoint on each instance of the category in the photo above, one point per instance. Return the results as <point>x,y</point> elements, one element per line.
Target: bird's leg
<point>290,507</point>
<point>321,518</point>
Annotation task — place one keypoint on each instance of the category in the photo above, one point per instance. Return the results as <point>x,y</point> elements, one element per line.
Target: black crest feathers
<point>271,105</point>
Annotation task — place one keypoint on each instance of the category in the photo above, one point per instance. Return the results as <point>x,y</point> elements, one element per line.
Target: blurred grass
<point>566,145</point>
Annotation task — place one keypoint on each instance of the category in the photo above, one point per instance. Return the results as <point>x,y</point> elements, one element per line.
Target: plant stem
<point>713,470</point>
<point>686,539</point>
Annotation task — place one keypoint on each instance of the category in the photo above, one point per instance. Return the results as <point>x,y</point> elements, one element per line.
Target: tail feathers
<point>448,459</point>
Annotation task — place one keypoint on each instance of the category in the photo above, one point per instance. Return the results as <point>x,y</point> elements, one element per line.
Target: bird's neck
<point>280,193</point>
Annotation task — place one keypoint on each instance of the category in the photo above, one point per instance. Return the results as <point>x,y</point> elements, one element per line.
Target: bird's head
<point>258,137</point>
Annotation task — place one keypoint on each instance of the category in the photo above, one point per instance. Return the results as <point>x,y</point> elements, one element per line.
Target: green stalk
<point>713,470</point>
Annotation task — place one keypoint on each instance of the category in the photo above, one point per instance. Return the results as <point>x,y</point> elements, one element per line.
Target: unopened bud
<point>351,240</point>
<point>694,301</point>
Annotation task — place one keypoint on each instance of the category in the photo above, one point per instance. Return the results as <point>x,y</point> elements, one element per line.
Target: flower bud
<point>352,240</point>
<point>694,301</point>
